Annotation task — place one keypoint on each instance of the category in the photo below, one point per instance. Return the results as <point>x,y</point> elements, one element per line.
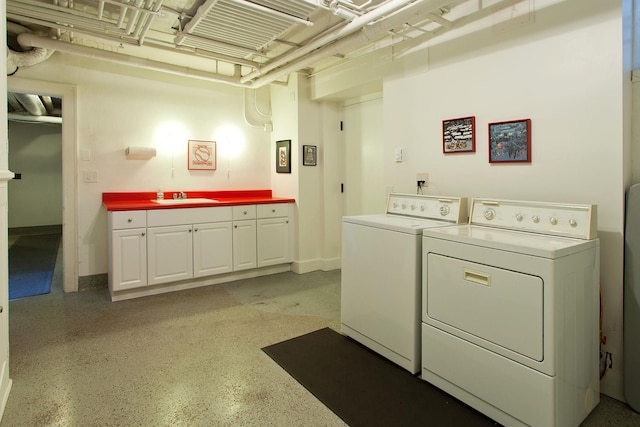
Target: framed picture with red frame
<point>510,142</point>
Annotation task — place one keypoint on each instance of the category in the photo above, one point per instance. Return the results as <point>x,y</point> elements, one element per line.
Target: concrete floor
<point>189,358</point>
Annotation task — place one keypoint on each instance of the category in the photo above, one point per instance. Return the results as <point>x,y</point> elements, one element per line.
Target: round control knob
<point>519,217</point>
<point>553,220</point>
<point>404,206</point>
<point>422,208</point>
<point>573,222</point>
<point>536,219</point>
<point>444,210</point>
<point>413,207</point>
<point>489,214</point>
<point>395,205</point>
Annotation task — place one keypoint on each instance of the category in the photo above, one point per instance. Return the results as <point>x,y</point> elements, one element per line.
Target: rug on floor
<point>365,389</point>
<point>32,260</point>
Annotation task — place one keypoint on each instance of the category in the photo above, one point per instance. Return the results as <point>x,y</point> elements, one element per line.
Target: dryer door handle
<point>478,278</point>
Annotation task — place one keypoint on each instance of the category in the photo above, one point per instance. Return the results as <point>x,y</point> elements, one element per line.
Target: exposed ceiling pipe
<point>252,114</point>
<point>31,103</point>
<point>16,60</point>
<point>353,26</point>
<point>27,39</point>
<point>33,119</point>
<point>362,37</point>
<point>23,59</point>
<point>48,103</point>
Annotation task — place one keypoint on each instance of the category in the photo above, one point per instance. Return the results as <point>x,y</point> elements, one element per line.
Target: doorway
<point>69,166</point>
<point>35,194</point>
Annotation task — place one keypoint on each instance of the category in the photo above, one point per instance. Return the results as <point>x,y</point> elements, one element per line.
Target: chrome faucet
<point>180,195</point>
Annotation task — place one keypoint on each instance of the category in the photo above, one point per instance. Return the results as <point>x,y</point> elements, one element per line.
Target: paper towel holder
<point>139,153</point>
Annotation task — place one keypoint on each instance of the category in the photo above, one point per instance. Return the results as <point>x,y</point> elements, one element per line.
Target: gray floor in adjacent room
<point>190,358</point>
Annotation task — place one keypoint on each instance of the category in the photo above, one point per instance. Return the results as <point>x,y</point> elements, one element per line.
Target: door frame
<point>68,94</point>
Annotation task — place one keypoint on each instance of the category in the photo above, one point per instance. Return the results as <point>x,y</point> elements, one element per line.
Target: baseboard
<point>302,267</point>
<point>196,283</point>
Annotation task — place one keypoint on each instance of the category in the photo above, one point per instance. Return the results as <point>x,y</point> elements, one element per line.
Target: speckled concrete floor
<point>190,358</point>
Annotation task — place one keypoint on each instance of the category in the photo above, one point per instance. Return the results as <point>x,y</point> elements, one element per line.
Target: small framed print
<point>510,141</point>
<point>202,155</point>
<point>283,156</point>
<point>459,135</point>
<point>309,155</point>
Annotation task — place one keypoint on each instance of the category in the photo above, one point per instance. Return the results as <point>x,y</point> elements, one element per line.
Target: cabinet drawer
<point>128,219</point>
<point>166,217</point>
<point>244,212</point>
<point>273,210</point>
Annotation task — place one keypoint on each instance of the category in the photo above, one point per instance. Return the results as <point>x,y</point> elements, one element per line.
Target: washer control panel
<point>546,218</point>
<point>452,209</point>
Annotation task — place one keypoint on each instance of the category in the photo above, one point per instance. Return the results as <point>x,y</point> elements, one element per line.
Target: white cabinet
<point>244,237</point>
<point>128,245</point>
<point>273,232</point>
<point>211,251</point>
<point>164,246</point>
<point>170,251</point>
<point>190,242</point>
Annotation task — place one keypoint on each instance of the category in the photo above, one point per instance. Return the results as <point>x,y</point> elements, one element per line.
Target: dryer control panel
<point>558,219</point>
<point>452,209</point>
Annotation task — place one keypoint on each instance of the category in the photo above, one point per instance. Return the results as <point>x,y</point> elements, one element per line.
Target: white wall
<point>316,188</point>
<point>35,151</point>
<point>119,107</point>
<point>563,70</point>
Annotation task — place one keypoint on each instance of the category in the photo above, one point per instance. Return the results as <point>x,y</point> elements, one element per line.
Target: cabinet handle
<point>142,234</point>
<point>129,220</point>
<point>273,210</point>
<point>235,226</point>
<point>245,212</point>
<point>195,229</point>
<point>190,230</point>
<point>287,221</point>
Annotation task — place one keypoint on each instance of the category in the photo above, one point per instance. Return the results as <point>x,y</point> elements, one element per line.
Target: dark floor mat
<point>32,260</point>
<point>365,389</point>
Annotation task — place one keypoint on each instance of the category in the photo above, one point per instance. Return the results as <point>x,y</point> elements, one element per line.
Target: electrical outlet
<point>424,177</point>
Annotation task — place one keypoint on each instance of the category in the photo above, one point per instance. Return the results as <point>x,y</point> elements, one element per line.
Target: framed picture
<point>309,155</point>
<point>283,156</point>
<point>459,135</point>
<point>510,141</point>
<point>202,155</point>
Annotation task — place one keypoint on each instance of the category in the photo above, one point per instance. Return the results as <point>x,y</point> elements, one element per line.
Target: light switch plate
<point>90,176</point>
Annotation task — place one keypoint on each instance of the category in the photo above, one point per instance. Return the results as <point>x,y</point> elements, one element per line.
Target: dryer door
<point>495,305</point>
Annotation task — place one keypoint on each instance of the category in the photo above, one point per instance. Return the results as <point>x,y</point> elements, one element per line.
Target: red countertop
<point>144,200</point>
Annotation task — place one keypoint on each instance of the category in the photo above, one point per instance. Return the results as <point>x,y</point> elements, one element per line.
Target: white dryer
<point>381,273</point>
<point>511,311</point>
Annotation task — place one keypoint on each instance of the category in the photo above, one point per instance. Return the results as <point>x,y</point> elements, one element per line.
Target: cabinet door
<point>128,259</point>
<point>170,253</point>
<point>273,241</point>
<point>244,245</point>
<point>212,249</point>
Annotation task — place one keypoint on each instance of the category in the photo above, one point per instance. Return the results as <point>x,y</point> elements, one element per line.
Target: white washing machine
<point>381,273</point>
<point>511,311</point>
